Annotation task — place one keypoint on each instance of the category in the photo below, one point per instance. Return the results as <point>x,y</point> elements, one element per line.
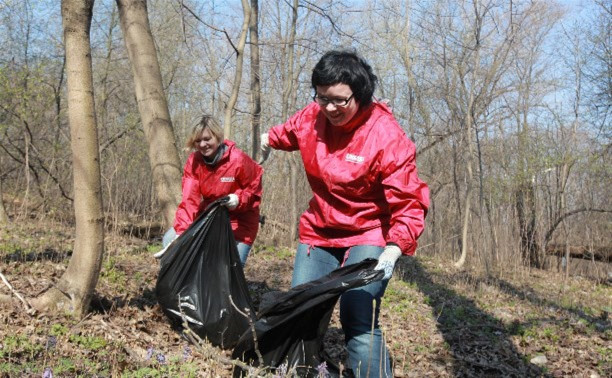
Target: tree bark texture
<point>255,80</point>
<point>231,102</point>
<point>3,215</point>
<point>74,289</point>
<point>288,89</point>
<point>152,105</point>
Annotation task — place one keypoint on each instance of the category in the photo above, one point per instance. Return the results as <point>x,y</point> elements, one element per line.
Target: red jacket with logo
<point>234,173</point>
<point>366,190</point>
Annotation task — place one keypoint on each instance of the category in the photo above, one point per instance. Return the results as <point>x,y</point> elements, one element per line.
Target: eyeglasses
<point>323,101</point>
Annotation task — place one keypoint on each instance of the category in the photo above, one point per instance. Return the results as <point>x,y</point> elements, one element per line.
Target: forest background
<point>507,103</point>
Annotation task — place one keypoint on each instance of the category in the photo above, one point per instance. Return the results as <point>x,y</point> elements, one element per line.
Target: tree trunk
<point>231,102</point>
<point>74,289</point>
<point>4,219</point>
<point>288,89</point>
<point>469,164</point>
<point>526,208</point>
<point>468,191</point>
<point>457,198</point>
<point>255,80</point>
<point>152,105</point>
<point>23,212</point>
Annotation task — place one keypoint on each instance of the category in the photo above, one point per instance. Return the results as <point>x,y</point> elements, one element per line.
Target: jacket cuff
<point>408,247</point>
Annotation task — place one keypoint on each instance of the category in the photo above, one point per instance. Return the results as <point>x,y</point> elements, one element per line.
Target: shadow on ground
<point>600,324</point>
<point>49,254</point>
<point>147,298</point>
<point>478,342</point>
<point>102,305</point>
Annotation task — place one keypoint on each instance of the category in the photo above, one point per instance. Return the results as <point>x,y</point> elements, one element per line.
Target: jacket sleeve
<point>190,203</point>
<point>249,181</point>
<point>285,136</point>
<point>406,194</point>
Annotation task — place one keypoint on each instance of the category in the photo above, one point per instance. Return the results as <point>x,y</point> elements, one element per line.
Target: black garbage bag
<point>290,330</point>
<point>199,273</point>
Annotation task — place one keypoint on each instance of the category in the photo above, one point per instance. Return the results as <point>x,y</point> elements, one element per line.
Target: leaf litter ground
<point>438,321</point>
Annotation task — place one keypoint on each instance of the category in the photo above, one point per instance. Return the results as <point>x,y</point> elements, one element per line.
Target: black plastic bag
<point>291,329</point>
<point>202,268</point>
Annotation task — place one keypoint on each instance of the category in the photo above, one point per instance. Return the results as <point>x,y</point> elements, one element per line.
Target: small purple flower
<point>322,370</point>
<point>51,342</point>
<point>186,352</point>
<point>48,373</point>
<point>150,351</point>
<point>281,371</point>
<point>161,358</point>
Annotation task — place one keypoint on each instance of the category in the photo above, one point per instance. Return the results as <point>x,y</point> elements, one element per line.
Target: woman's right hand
<point>264,142</point>
<point>264,145</point>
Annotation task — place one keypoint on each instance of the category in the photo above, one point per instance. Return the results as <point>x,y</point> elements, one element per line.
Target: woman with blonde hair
<point>218,168</point>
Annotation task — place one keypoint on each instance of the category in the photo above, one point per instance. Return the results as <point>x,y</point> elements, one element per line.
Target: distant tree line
<point>508,103</point>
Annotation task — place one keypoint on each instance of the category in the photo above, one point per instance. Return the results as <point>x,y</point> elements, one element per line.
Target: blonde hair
<point>206,122</point>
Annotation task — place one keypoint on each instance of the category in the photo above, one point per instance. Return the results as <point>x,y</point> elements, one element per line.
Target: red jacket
<point>235,173</point>
<point>366,190</point>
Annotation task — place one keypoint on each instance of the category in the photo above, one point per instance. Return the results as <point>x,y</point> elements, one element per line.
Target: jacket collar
<point>222,153</point>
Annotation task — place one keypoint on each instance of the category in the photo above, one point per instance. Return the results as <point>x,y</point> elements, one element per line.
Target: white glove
<point>387,259</point>
<point>232,201</point>
<point>264,143</point>
<point>159,254</point>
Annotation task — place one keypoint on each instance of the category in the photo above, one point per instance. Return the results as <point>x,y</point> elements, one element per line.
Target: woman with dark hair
<point>368,201</point>
<point>217,168</point>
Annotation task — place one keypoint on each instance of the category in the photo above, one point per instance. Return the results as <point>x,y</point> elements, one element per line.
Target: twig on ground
<point>210,352</point>
<point>29,309</point>
<point>372,337</point>
<point>252,326</point>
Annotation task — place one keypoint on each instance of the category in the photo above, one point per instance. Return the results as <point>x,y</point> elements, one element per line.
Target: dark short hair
<point>346,67</point>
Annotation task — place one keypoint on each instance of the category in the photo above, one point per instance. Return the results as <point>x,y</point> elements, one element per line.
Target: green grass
<point>153,248</point>
<point>551,333</point>
<point>112,275</point>
<point>11,369</point>
<point>176,368</point>
<point>10,248</point>
<point>63,366</point>
<point>400,296</point>
<point>92,343</point>
<point>18,345</point>
<point>58,330</point>
<point>275,252</point>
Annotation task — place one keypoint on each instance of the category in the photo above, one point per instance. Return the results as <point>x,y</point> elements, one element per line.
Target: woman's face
<point>207,144</point>
<point>330,95</point>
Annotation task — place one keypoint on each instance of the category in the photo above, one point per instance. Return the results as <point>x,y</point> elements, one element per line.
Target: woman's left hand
<point>387,259</point>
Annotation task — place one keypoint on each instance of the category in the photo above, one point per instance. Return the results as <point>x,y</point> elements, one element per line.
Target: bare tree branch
<point>552,229</point>
<point>26,304</point>
<point>318,10</point>
<point>210,26</point>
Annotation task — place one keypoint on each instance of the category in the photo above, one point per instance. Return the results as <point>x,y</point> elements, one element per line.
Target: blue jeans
<point>243,249</point>
<point>368,355</point>
<point>243,252</point>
